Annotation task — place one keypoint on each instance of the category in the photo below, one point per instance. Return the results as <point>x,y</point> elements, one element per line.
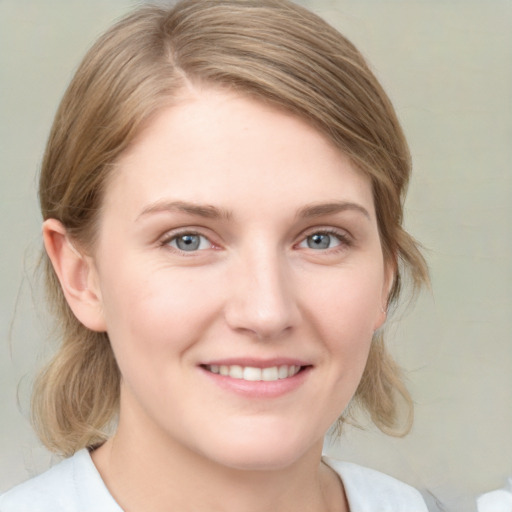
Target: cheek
<point>347,303</point>
<point>344,316</point>
<point>149,313</point>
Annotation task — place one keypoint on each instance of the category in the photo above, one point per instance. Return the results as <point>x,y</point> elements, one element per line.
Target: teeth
<point>236,372</point>
<point>251,373</point>
<point>271,373</point>
<point>282,372</point>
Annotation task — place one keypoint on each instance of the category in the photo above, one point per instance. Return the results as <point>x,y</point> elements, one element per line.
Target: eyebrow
<point>212,212</point>
<point>201,210</point>
<point>320,209</point>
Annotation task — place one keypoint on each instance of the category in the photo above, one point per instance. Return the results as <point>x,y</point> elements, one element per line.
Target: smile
<point>250,373</point>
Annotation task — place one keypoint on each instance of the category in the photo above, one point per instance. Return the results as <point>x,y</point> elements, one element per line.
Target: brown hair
<point>272,50</point>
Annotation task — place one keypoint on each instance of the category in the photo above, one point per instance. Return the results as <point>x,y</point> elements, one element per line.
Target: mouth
<point>257,378</point>
<point>254,374</point>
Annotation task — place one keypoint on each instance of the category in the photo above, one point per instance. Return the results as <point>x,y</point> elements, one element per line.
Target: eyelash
<point>170,237</point>
<point>344,239</point>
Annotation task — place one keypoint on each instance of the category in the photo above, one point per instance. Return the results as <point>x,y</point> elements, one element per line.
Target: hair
<point>271,50</point>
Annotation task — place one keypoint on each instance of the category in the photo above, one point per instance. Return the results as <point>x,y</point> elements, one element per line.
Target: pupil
<point>188,242</point>
<point>318,241</point>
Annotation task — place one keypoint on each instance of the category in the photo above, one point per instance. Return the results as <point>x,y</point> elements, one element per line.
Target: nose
<point>262,301</point>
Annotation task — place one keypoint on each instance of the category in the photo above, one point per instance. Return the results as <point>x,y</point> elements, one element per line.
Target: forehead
<point>217,146</point>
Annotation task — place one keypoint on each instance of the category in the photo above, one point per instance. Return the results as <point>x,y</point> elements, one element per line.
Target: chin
<point>260,453</point>
<point>259,461</point>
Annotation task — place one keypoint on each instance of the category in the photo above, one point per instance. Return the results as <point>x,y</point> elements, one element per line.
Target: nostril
<point>261,302</point>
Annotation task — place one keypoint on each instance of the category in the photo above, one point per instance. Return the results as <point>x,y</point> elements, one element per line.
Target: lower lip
<point>259,388</point>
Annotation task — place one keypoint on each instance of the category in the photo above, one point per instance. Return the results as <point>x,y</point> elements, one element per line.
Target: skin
<point>289,267</point>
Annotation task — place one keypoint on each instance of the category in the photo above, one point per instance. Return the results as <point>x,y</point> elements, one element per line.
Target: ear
<point>77,275</point>
<point>389,279</point>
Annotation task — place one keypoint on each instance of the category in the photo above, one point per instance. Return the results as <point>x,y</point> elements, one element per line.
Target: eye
<point>323,240</point>
<point>189,242</point>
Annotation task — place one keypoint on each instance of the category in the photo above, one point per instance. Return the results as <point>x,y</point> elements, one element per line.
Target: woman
<point>221,195</point>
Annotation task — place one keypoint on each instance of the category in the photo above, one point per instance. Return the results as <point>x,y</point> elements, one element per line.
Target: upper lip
<point>256,362</point>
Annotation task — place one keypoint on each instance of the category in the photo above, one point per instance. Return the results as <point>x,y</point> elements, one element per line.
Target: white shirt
<point>74,485</point>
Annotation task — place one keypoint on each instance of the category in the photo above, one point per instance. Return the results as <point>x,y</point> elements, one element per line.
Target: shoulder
<point>368,490</point>
<point>74,485</point>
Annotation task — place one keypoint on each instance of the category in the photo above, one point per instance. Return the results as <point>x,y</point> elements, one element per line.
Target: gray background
<point>447,66</point>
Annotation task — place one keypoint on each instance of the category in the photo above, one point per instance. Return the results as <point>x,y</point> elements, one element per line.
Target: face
<point>241,278</point>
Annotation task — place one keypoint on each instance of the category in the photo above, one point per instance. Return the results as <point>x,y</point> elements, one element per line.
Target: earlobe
<point>389,279</point>
<point>76,274</point>
<point>381,318</point>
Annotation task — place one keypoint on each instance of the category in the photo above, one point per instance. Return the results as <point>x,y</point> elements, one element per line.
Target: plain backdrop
<point>447,66</point>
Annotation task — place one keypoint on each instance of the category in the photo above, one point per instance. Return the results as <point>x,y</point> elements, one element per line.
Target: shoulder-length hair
<point>271,50</point>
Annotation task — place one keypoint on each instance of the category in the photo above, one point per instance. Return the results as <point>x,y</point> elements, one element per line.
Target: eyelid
<point>345,238</point>
<point>173,234</point>
<point>328,230</point>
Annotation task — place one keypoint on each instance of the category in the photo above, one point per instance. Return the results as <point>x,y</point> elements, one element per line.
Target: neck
<point>148,472</point>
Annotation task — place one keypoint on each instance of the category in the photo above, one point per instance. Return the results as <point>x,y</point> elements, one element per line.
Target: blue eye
<point>189,242</point>
<point>321,241</point>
